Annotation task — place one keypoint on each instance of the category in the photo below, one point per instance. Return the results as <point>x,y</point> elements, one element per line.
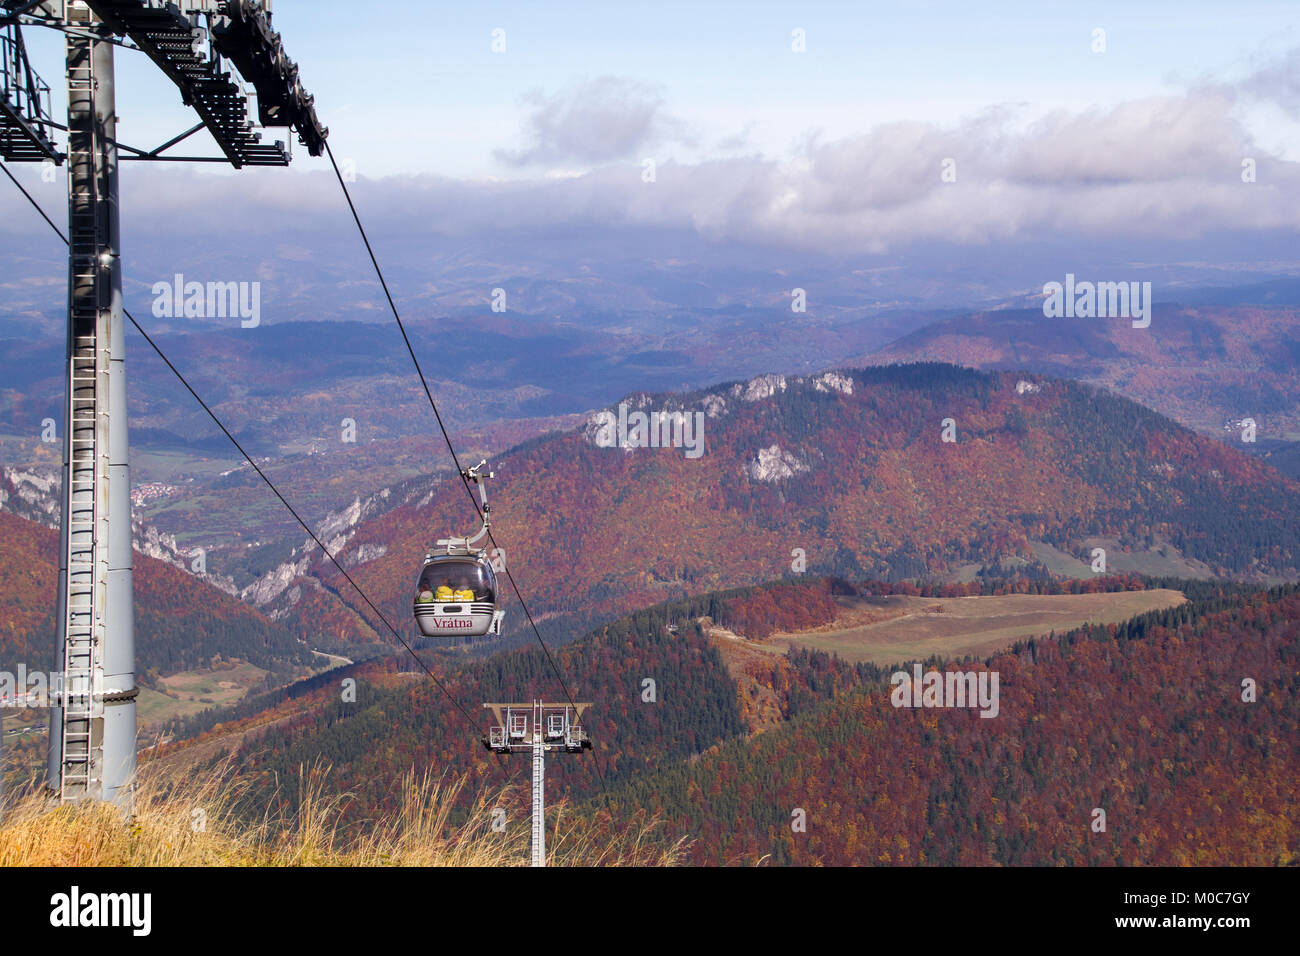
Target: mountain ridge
<point>861,481</point>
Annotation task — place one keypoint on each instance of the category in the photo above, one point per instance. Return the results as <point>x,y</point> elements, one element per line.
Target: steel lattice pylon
<point>536,728</point>
<point>93,724</point>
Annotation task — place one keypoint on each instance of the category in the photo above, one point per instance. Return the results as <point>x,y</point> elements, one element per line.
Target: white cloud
<point>1167,168</point>
<point>595,121</point>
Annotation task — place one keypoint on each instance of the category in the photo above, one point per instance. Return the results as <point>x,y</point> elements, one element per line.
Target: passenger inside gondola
<point>461,582</point>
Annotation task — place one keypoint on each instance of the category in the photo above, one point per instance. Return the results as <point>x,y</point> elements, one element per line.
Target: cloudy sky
<point>841,148</point>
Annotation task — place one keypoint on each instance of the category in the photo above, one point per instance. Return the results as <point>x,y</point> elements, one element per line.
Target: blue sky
<point>422,92</point>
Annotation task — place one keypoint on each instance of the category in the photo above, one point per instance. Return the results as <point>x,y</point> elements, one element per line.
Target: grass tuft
<point>191,821</point>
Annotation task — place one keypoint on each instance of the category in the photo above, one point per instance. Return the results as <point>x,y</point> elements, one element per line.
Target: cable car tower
<point>209,49</point>
<point>536,728</point>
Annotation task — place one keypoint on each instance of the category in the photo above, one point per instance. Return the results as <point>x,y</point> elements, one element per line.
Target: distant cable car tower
<point>536,728</point>
<point>208,48</point>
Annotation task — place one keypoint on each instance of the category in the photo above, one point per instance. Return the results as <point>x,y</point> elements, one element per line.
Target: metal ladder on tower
<point>538,844</point>
<point>87,563</point>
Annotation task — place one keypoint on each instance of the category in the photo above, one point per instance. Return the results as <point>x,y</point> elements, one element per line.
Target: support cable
<point>270,484</point>
<point>450,448</point>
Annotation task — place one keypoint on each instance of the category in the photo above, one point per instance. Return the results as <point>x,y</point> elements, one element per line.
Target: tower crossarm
<point>554,726</point>
<point>243,34</point>
<point>207,65</point>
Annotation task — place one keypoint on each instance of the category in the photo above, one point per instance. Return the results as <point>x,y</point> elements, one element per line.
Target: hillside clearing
<point>898,629</point>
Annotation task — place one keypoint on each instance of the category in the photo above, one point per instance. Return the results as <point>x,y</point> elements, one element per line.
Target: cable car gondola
<point>456,595</point>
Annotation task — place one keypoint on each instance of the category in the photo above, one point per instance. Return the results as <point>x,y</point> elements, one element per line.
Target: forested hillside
<point>1147,722</point>
<point>850,473</point>
<point>181,622</point>
<point>399,721</point>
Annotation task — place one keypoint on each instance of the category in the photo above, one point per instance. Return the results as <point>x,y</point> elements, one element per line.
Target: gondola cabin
<point>456,596</point>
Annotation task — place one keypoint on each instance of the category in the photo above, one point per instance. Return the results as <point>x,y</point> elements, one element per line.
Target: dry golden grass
<point>191,821</point>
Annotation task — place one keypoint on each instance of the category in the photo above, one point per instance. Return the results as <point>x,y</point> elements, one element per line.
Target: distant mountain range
<point>284,385</point>
<point>1206,366</point>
